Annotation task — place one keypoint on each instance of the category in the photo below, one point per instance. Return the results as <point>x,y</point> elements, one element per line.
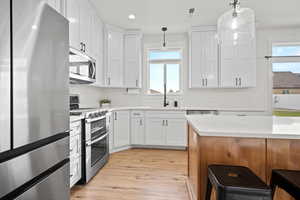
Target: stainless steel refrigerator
<point>34,107</point>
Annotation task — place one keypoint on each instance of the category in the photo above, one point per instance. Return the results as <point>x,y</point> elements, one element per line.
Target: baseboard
<point>190,190</point>
<point>159,147</point>
<point>119,149</point>
<point>146,147</point>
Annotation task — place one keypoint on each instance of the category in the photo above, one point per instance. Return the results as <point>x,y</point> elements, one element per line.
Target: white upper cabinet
<point>238,63</point>
<point>56,4</point>
<point>98,52</point>
<point>80,14</point>
<point>132,60</point>
<point>203,57</point>
<point>114,38</point>
<point>86,18</point>
<point>73,15</point>
<point>221,65</point>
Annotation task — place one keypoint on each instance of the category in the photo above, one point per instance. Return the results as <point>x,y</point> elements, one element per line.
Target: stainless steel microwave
<point>82,68</point>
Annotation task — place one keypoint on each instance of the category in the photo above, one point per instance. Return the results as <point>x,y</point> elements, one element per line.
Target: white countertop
<point>148,108</point>
<point>76,118</point>
<point>246,126</point>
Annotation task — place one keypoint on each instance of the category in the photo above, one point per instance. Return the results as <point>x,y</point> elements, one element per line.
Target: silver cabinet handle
<point>206,82</point>
<point>141,122</point>
<point>136,82</point>
<point>240,81</point>
<point>81,46</point>
<point>236,81</point>
<point>108,80</point>
<point>116,116</point>
<point>167,123</point>
<point>163,122</point>
<point>202,82</point>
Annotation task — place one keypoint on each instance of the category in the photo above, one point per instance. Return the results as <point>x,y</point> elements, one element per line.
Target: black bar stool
<point>289,180</point>
<point>236,183</point>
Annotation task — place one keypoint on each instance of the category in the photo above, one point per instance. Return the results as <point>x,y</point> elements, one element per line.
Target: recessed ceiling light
<point>131,16</point>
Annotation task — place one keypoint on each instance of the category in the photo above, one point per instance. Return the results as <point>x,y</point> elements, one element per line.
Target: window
<point>164,71</point>
<point>286,79</point>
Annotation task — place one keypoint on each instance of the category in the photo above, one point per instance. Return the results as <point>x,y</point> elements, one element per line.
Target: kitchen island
<point>261,143</point>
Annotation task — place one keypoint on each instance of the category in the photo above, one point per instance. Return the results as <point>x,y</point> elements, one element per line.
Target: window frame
<point>165,61</point>
<point>279,59</point>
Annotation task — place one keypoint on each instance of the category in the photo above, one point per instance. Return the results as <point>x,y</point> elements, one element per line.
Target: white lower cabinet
<point>166,129</point>
<point>155,131</point>
<point>75,152</point>
<point>138,131</point>
<point>148,129</point>
<point>75,170</point>
<point>176,132</point>
<point>121,129</point>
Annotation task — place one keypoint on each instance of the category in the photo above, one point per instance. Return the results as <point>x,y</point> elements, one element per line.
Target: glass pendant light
<point>236,25</point>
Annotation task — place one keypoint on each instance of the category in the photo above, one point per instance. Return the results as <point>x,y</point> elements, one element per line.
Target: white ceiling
<point>151,15</point>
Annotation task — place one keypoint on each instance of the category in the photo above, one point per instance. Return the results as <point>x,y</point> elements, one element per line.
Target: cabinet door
<point>115,58</point>
<point>73,15</point>
<point>56,4</point>
<point>98,48</point>
<point>85,24</point>
<point>155,131</point>
<point>132,67</point>
<point>204,59</point>
<point>137,131</point>
<point>229,69</point>
<point>238,64</point>
<point>176,132</point>
<point>121,129</point>
<point>75,170</point>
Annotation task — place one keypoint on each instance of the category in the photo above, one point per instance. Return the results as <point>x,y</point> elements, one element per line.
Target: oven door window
<point>98,128</point>
<point>99,150</point>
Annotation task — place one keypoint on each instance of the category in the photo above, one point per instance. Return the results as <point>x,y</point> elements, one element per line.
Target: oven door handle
<point>94,119</point>
<point>97,140</point>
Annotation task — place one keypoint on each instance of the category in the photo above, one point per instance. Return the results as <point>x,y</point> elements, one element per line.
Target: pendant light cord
<point>164,29</point>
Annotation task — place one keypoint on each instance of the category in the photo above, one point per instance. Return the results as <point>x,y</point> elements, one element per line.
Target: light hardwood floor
<point>138,174</point>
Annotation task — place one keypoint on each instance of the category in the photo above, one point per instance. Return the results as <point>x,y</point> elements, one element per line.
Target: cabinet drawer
<point>75,145</point>
<point>75,170</point>
<point>136,113</point>
<point>166,114</point>
<point>75,128</point>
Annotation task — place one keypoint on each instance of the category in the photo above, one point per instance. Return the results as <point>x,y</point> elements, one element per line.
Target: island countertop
<point>246,126</point>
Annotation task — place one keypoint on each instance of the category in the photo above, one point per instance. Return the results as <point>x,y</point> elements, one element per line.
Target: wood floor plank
<point>138,174</point>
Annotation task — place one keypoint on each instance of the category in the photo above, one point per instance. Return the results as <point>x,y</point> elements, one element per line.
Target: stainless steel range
<point>95,149</point>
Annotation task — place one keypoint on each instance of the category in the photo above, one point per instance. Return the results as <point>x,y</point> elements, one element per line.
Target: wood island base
<point>259,154</point>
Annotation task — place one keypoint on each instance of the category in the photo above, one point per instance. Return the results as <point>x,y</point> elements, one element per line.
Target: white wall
<point>89,95</point>
<point>251,99</point>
